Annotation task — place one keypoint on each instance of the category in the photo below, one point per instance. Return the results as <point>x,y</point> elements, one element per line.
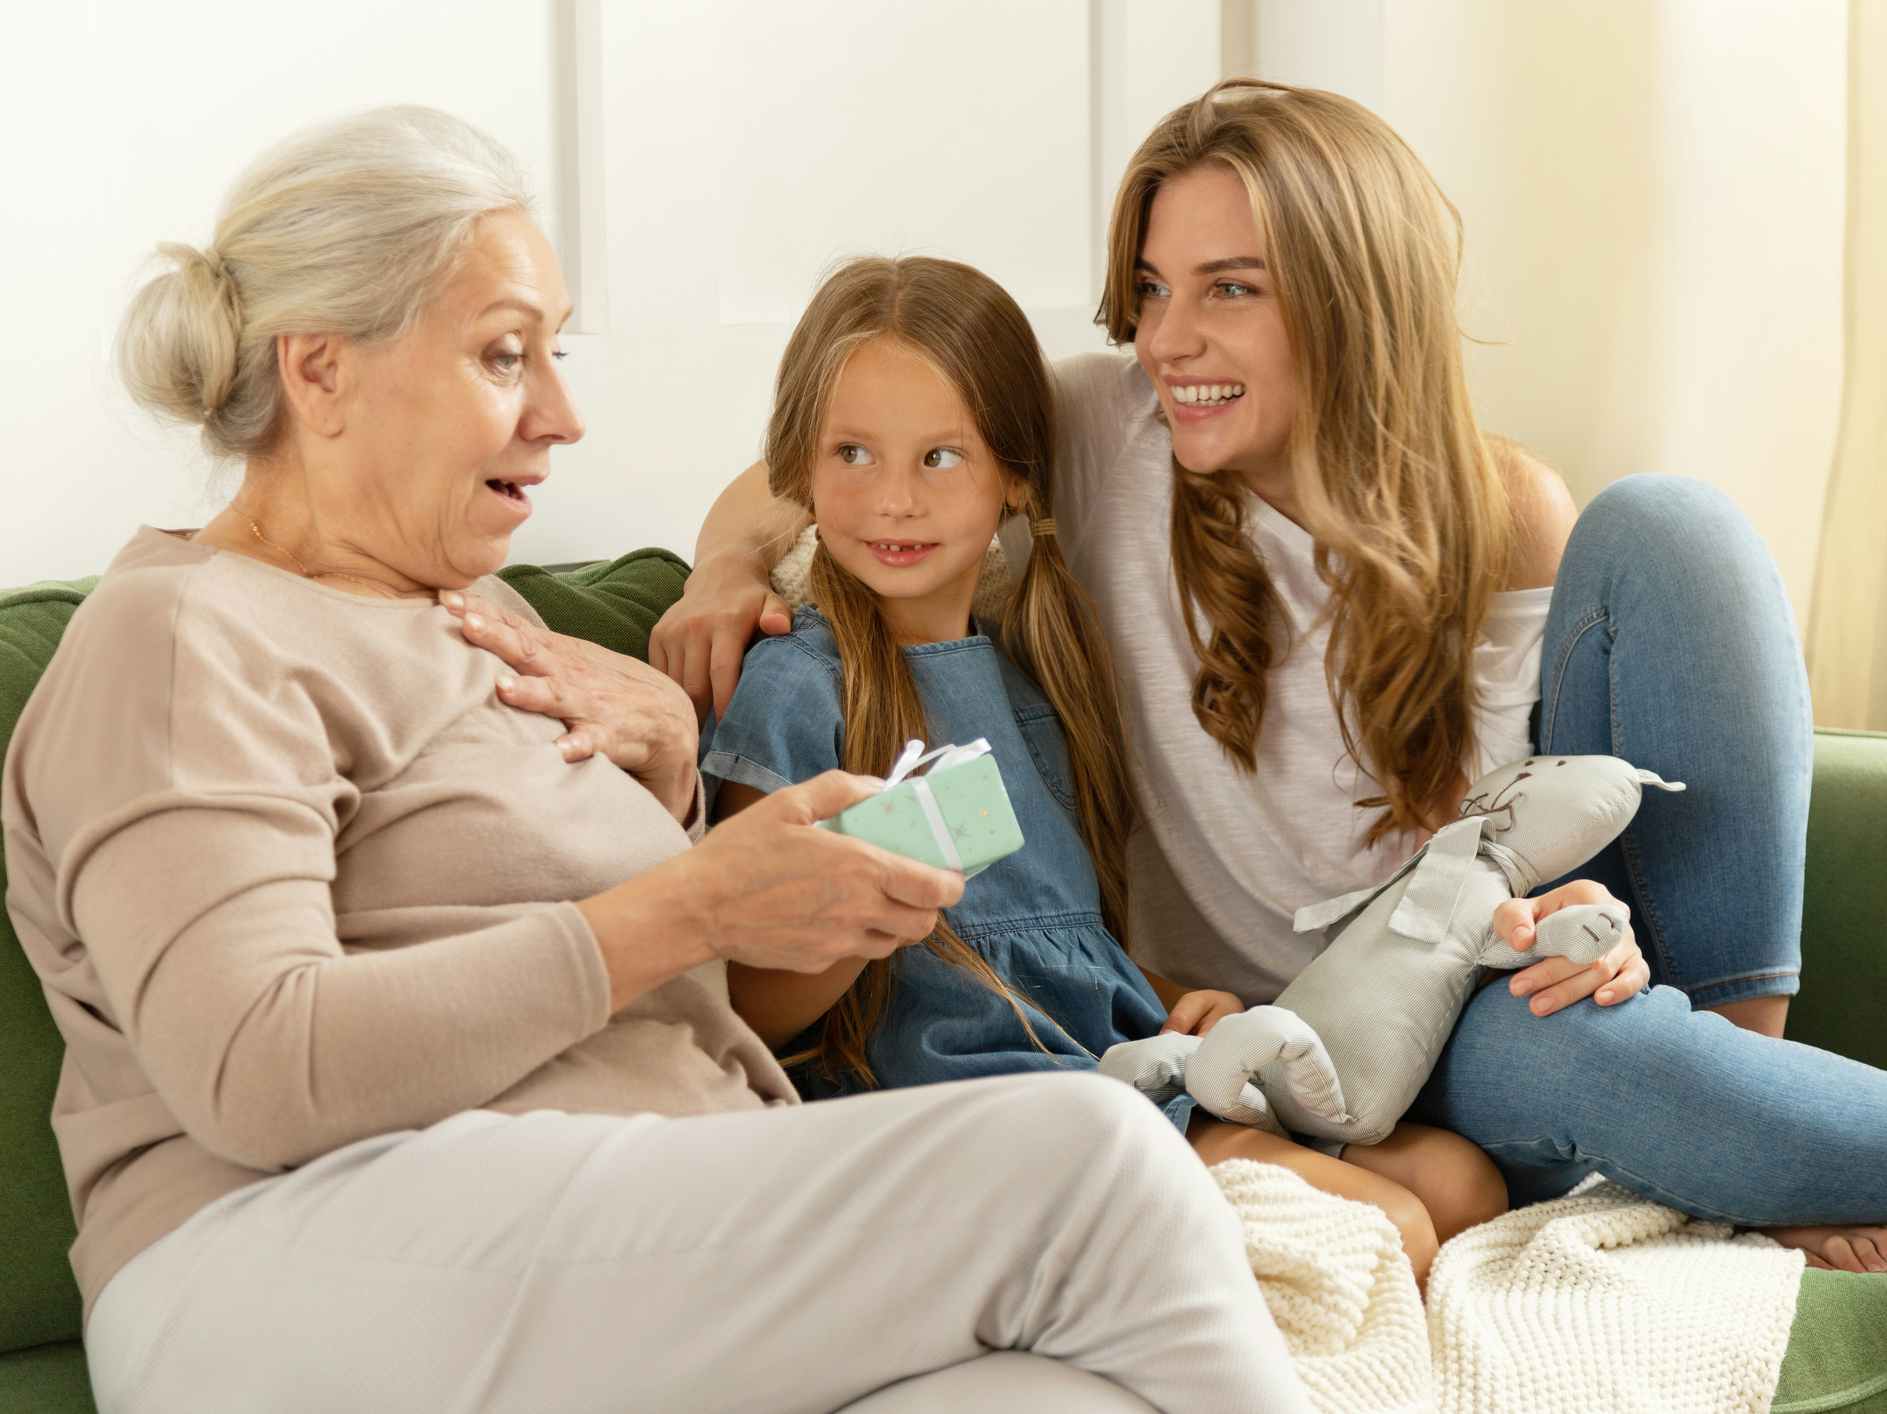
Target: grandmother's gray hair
<point>348,228</point>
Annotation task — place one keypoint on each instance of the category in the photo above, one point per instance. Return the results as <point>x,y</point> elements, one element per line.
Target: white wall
<point>748,147</point>
<point>1652,190</point>
<point>1654,200</point>
<point>735,148</point>
<point>125,122</point>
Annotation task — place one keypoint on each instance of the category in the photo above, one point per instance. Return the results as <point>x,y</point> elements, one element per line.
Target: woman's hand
<point>1557,982</point>
<point>702,638</point>
<point>768,890</point>
<point>1196,1013</point>
<point>611,704</point>
<point>778,893</point>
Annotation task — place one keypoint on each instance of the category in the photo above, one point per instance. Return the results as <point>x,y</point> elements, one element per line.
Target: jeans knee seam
<point>1648,909</point>
<point>1549,711</point>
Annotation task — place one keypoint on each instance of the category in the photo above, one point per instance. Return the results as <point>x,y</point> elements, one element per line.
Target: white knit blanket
<point>1597,1301</point>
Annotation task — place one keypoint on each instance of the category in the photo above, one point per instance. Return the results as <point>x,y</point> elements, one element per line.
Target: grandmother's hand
<point>632,714</point>
<point>702,638</point>
<point>1559,982</point>
<point>768,890</point>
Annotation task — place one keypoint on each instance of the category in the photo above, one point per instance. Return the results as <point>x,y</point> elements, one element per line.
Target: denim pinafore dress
<point>1035,916</point>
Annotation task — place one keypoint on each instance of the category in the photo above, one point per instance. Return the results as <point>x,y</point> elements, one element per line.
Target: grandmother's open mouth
<point>509,489</point>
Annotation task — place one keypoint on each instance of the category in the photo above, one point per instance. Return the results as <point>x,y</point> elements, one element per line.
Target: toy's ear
<point>1652,778</point>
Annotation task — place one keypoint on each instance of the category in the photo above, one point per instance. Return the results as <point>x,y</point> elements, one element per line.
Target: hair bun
<point>177,348</point>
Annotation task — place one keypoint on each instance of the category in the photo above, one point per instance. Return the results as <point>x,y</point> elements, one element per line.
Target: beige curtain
<point>1847,637</point>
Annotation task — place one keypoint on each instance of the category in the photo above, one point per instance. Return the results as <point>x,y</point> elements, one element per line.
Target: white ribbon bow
<point>944,757</point>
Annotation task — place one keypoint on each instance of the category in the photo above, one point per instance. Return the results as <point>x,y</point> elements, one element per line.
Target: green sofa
<point>1837,1356</point>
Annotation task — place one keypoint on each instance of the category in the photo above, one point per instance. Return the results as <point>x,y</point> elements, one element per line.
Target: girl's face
<point>1210,332</point>
<point>906,493</point>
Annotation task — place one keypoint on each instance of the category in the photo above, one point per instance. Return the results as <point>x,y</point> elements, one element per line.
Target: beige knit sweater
<point>292,876</point>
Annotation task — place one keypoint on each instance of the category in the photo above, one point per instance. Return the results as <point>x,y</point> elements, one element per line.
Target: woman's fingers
<point>536,694</point>
<point>775,617</point>
<point>1513,923</point>
<point>1558,982</point>
<point>1578,891</point>
<point>1630,980</point>
<point>522,645</point>
<point>1196,1013</point>
<point>687,665</point>
<point>824,796</point>
<point>1188,1012</point>
<point>725,651</point>
<point>783,894</point>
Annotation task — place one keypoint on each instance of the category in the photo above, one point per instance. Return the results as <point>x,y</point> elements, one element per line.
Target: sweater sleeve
<point>189,802</point>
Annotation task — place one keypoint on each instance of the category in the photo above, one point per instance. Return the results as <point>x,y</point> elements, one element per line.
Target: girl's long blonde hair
<point>973,334</point>
<point>1398,489</point>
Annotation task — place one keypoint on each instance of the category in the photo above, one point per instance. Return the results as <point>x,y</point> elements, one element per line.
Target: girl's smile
<point>898,553</point>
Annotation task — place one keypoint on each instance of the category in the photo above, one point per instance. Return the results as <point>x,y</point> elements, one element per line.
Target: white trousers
<point>782,1260</point>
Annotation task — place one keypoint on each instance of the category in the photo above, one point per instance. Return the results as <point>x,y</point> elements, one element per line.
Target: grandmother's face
<point>445,428</point>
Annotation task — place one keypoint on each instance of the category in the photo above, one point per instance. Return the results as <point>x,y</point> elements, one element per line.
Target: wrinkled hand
<point>1196,1013</point>
<point>702,638</point>
<point>774,892</point>
<point>1558,982</point>
<point>609,703</point>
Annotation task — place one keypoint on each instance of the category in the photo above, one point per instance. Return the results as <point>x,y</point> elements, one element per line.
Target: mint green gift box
<point>971,802</point>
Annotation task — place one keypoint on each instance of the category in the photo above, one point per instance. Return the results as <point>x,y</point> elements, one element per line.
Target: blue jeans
<point>1670,643</point>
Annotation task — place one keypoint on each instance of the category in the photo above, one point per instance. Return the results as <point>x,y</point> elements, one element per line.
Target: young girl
<point>913,412</point>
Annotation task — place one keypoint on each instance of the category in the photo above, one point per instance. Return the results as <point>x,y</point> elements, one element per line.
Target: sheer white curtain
<point>1847,641</point>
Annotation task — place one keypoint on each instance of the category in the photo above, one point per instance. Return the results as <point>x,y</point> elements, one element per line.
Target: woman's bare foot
<point>1836,1248</point>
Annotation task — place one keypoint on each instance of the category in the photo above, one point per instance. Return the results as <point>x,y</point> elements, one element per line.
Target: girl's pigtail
<point>1052,632</point>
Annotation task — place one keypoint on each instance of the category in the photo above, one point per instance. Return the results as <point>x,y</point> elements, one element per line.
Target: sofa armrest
<point>1844,916</point>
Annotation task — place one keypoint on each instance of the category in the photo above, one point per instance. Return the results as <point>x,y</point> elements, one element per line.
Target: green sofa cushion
<point>48,1379</point>
<point>38,1301</point>
<point>614,603</point>
<point>1844,957</point>
<point>1837,1359</point>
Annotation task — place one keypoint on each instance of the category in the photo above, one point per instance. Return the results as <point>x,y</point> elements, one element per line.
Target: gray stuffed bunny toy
<point>1344,1049</point>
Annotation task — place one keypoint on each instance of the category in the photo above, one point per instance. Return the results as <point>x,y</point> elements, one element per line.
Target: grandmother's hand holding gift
<point>618,706</point>
<point>766,889</point>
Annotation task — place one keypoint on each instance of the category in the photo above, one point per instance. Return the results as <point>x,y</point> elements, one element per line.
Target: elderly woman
<point>400,1071</point>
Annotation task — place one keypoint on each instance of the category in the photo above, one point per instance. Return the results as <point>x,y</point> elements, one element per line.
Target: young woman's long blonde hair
<point>1395,484</point>
<point>973,334</point>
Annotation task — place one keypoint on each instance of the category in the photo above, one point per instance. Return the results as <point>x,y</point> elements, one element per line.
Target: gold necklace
<point>303,570</point>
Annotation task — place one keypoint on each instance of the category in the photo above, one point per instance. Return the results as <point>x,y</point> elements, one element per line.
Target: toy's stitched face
<point>1545,789</point>
<point>1605,928</point>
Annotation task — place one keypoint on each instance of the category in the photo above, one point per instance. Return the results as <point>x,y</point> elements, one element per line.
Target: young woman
<point>1330,602</point>
<point>913,409</point>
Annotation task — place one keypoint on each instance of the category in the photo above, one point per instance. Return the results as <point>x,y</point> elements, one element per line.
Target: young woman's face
<point>906,494</point>
<point>1210,333</point>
